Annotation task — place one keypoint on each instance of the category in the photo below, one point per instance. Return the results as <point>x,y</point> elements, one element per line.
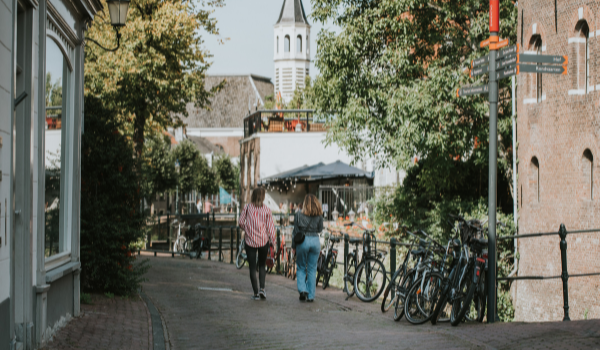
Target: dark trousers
<point>262,260</point>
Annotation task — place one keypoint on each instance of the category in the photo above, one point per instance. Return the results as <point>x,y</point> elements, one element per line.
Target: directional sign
<point>507,61</point>
<point>509,72</point>
<point>472,90</point>
<point>490,40</point>
<point>534,68</point>
<point>543,59</point>
<point>508,51</point>
<point>499,45</point>
<point>480,61</point>
<point>479,71</point>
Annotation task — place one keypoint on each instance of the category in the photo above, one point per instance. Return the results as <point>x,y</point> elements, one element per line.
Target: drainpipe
<point>514,177</point>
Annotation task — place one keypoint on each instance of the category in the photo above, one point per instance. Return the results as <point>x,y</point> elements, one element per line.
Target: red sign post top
<point>494,16</point>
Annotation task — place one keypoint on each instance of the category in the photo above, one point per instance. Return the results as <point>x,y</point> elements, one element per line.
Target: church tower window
<point>286,44</point>
<point>299,44</point>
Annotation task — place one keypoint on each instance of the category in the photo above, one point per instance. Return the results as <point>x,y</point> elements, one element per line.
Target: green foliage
<point>269,102</point>
<point>302,98</point>
<point>85,298</point>
<point>159,68</point>
<point>53,91</point>
<point>391,76</point>
<point>158,167</point>
<point>227,177</point>
<point>194,172</point>
<point>109,295</point>
<point>111,221</point>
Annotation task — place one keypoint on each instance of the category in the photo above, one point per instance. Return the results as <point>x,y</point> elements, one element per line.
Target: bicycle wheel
<point>462,302</point>
<point>441,312</point>
<point>389,295</point>
<point>370,280</point>
<point>480,298</point>
<point>349,276</point>
<point>329,271</point>
<point>419,306</point>
<point>401,291</point>
<point>240,259</point>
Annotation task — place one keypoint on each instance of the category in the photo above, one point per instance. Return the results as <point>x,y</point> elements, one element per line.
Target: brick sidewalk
<point>206,305</point>
<point>107,324</point>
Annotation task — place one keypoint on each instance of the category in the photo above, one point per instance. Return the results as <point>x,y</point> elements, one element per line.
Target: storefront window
<point>56,71</point>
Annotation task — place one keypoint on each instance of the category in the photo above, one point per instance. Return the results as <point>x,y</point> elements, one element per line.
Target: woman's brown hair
<point>312,206</point>
<point>258,196</point>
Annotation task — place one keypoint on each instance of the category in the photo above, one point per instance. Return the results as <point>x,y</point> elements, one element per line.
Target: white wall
<point>281,152</point>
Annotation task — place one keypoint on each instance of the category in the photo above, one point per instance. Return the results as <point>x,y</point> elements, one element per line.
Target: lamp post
<point>177,190</point>
<point>117,9</point>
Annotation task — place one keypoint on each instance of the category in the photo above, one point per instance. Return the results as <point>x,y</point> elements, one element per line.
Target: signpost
<point>508,62</point>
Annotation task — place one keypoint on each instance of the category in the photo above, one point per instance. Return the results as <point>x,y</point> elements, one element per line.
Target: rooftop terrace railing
<point>277,121</point>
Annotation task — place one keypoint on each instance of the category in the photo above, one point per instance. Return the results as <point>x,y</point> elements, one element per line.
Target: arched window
<point>299,44</point>
<point>536,44</point>
<point>583,55</point>
<point>588,173</point>
<point>534,180</point>
<point>277,44</point>
<point>286,44</point>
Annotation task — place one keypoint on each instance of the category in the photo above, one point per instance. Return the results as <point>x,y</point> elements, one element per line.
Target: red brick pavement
<point>226,318</point>
<point>108,324</point>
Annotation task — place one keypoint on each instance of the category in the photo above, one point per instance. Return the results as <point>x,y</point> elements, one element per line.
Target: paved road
<point>206,305</point>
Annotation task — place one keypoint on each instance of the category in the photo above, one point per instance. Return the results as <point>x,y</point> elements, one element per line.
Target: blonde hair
<point>258,196</point>
<point>312,206</point>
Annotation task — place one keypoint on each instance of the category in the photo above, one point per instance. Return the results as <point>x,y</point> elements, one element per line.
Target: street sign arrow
<point>499,45</point>
<point>472,90</point>
<point>563,60</point>
<point>534,68</point>
<point>507,61</point>
<point>508,72</point>
<point>480,61</point>
<point>479,71</point>
<point>508,51</point>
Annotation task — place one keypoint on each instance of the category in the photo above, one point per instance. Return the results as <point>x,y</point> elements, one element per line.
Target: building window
<point>57,77</point>
<point>588,173</point>
<point>534,179</point>
<point>286,44</point>
<point>252,169</point>
<point>583,55</point>
<point>245,175</point>
<point>536,43</point>
<point>277,44</point>
<point>299,44</point>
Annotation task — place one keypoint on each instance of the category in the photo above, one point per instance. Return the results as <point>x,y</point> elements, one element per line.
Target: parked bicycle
<point>327,260</point>
<point>368,277</point>
<point>290,269</point>
<point>199,243</point>
<point>242,257</point>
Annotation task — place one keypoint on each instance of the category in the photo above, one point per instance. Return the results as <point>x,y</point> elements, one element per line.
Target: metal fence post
<point>392,255</point>
<point>209,241</point>
<point>346,247</point>
<point>220,243</point>
<point>231,244</point>
<point>565,274</point>
<point>278,268</point>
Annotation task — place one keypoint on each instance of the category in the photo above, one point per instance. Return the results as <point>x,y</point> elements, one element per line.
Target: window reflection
<point>55,73</point>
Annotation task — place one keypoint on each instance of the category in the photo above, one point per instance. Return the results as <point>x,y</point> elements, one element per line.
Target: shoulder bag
<point>298,235</point>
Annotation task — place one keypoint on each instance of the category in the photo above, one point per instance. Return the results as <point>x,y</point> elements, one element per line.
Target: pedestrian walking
<point>257,222</point>
<point>308,223</point>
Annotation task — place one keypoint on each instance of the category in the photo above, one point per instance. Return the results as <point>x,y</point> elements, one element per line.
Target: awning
<point>320,171</point>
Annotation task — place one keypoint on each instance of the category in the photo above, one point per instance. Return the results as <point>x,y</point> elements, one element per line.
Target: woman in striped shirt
<point>257,221</point>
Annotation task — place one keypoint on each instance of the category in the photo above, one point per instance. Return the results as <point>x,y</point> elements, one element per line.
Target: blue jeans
<point>307,255</point>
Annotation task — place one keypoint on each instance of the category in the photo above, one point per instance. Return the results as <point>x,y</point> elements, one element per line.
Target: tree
<point>303,97</point>
<point>391,76</point>
<point>158,168</point>
<point>111,222</point>
<point>194,171</point>
<point>159,68</point>
<point>225,171</point>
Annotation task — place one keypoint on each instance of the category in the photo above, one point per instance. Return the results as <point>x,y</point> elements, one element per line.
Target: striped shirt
<point>257,222</point>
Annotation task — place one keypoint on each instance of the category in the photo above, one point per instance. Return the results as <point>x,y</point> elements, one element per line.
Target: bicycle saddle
<point>355,240</point>
<point>335,239</point>
<point>456,243</point>
<point>480,241</point>
<point>417,252</point>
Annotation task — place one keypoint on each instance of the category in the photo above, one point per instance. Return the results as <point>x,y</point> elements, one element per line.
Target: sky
<point>249,26</point>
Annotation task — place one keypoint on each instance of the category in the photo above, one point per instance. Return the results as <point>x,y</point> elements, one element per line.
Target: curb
<point>160,334</point>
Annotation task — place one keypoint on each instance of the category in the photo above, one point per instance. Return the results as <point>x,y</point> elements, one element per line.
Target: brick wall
<point>558,156</point>
<point>230,144</point>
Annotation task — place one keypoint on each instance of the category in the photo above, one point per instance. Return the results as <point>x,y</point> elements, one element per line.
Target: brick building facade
<point>558,128</point>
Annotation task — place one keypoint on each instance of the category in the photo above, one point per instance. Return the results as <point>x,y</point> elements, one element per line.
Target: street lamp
<point>117,9</point>
<point>177,193</point>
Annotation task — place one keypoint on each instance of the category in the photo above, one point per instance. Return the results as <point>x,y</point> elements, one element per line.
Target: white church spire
<point>291,48</point>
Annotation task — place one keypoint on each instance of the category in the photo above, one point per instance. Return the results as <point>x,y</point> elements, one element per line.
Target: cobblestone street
<point>206,305</point>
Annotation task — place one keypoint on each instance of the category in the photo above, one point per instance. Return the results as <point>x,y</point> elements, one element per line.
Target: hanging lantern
<point>334,214</point>
<point>351,215</point>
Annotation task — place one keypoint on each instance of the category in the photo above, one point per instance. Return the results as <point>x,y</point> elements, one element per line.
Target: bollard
<point>209,241</point>
<point>231,245</point>
<point>172,254</point>
<point>346,247</point>
<point>392,255</point>
<point>139,252</point>
<point>565,274</point>
<point>278,267</point>
<point>220,243</point>
<point>155,253</point>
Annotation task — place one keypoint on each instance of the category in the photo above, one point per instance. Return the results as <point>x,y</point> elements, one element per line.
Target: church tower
<point>291,49</point>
